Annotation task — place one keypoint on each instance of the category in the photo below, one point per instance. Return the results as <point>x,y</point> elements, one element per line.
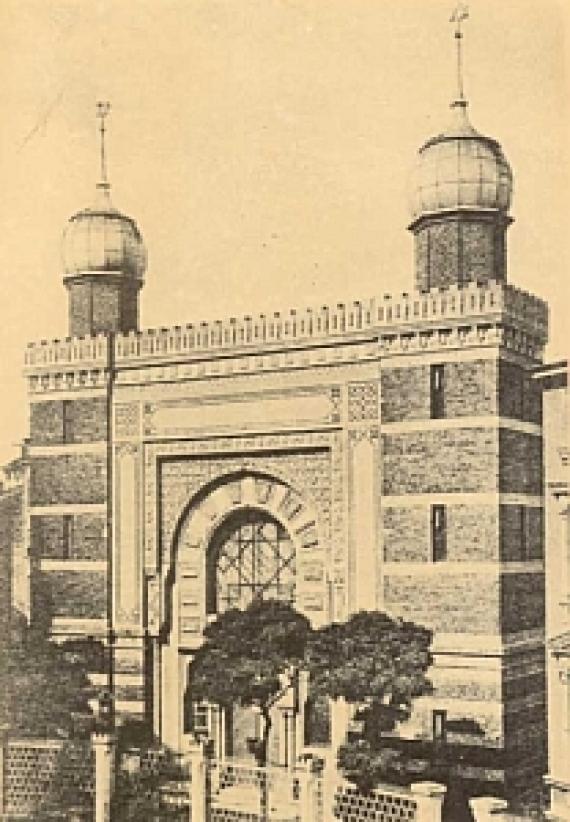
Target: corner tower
<point>462,191</point>
<point>104,261</point>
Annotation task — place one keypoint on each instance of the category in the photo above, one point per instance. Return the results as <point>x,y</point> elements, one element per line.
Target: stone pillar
<point>363,544</point>
<point>195,756</point>
<point>429,797</point>
<point>104,748</point>
<point>489,809</point>
<point>307,791</point>
<point>340,717</point>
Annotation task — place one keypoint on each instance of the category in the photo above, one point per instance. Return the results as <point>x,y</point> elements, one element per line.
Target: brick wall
<point>522,602</point>
<point>98,305</point>
<point>450,603</point>
<point>77,478</point>
<point>79,308</point>
<point>405,393</point>
<point>87,537</point>
<point>85,421</point>
<point>460,460</point>
<point>520,396</point>
<point>74,594</point>
<point>472,533</point>
<point>470,390</point>
<point>520,463</point>
<point>406,533</point>
<point>11,523</point>
<point>459,249</point>
<point>521,533</point>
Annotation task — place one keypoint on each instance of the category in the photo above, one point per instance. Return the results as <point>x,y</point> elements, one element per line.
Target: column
<point>363,519</point>
<point>489,809</point>
<point>429,797</point>
<point>104,748</point>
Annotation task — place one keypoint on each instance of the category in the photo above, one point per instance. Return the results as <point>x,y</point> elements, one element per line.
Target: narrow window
<point>438,533</point>
<point>439,719</point>
<point>523,532</point>
<point>67,547</point>
<point>67,421</point>
<point>436,392</point>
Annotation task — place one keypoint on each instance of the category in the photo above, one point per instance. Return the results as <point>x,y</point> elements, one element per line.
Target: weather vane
<point>460,13</point>
<point>103,109</point>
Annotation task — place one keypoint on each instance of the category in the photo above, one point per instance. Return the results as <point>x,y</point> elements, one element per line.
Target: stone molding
<point>246,458</point>
<point>284,408</point>
<point>490,314</point>
<point>475,498</point>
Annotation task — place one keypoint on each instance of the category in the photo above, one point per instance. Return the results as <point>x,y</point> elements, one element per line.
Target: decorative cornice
<point>490,314</point>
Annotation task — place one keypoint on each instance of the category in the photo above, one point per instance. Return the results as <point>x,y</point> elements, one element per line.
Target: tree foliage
<point>245,657</point>
<point>379,665</point>
<point>45,688</point>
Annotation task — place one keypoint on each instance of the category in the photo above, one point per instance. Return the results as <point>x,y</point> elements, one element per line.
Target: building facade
<point>384,454</point>
<point>553,379</point>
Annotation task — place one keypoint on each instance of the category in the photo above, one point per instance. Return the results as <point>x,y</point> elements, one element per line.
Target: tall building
<point>553,379</point>
<point>383,454</point>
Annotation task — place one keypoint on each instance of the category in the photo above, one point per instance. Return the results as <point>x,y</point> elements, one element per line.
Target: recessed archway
<point>251,555</point>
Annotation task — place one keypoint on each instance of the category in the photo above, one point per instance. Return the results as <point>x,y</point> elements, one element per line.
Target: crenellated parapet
<point>457,315</point>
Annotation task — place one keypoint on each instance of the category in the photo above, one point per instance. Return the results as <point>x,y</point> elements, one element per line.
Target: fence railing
<point>372,316</point>
<point>41,774</point>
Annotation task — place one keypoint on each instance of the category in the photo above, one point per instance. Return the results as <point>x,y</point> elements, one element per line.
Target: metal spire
<point>103,109</point>
<point>460,13</point>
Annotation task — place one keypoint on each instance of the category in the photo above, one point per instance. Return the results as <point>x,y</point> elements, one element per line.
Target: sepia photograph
<point>284,434</point>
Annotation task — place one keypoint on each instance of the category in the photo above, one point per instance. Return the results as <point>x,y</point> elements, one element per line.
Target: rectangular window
<point>67,421</point>
<point>67,548</point>
<point>439,719</point>
<point>438,533</point>
<point>523,533</point>
<point>200,720</point>
<point>436,392</point>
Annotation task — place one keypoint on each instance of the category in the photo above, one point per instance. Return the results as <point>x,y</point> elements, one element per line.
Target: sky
<point>264,148</point>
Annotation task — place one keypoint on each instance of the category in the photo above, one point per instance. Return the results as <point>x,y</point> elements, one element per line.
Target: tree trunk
<point>264,747</point>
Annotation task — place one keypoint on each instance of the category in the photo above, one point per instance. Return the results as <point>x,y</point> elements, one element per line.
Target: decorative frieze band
<point>446,423</point>
<point>491,314</point>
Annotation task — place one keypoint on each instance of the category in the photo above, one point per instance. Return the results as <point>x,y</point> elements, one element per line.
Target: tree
<point>380,665</point>
<point>245,659</point>
<point>45,689</point>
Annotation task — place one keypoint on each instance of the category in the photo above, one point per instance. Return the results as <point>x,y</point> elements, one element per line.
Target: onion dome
<point>104,261</point>
<point>461,169</point>
<point>100,239</point>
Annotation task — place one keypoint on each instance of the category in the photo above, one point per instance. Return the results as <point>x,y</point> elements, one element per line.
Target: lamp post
<point>103,740</point>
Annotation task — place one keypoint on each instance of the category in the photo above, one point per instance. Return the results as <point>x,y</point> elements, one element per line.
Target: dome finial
<point>460,13</point>
<point>103,109</point>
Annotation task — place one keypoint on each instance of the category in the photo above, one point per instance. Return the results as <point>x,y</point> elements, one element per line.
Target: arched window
<point>251,555</point>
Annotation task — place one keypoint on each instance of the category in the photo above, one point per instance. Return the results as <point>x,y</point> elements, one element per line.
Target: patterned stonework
<point>127,420</point>
<point>291,476</point>
<point>362,401</point>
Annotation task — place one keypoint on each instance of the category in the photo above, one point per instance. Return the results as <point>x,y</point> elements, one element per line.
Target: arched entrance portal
<point>250,556</point>
<point>244,536</point>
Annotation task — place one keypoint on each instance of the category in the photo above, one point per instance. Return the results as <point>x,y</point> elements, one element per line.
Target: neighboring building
<point>554,383</point>
<point>14,563</point>
<point>381,454</point>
